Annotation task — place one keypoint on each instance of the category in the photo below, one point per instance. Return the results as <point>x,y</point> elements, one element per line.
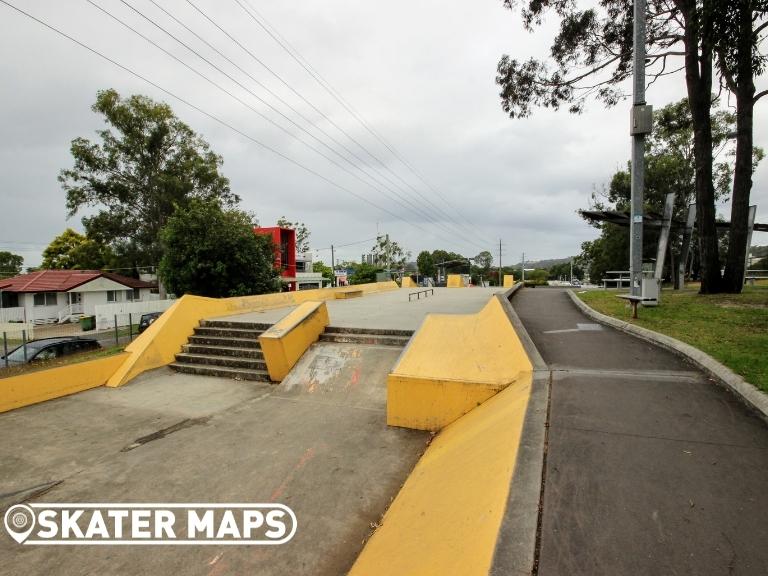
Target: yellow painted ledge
<point>26,389</point>
<point>159,344</point>
<point>407,282</point>
<point>454,363</point>
<point>509,281</point>
<point>446,519</point>
<point>285,342</point>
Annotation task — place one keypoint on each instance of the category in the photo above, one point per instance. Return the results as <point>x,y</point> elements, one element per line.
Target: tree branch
<point>759,95</point>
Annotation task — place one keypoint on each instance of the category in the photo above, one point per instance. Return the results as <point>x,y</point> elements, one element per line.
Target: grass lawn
<point>44,365</point>
<point>732,328</point>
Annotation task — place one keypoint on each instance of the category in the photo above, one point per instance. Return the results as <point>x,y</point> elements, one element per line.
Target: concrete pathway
<point>651,469</point>
<point>318,442</point>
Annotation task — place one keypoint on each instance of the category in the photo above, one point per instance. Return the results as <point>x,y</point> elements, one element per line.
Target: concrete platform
<point>318,443</point>
<point>387,310</point>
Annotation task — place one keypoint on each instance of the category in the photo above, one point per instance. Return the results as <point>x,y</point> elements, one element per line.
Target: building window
<point>46,299</point>
<point>114,295</point>
<point>133,295</point>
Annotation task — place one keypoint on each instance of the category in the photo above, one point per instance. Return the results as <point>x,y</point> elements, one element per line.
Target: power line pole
<point>333,268</point>
<point>522,269</point>
<point>500,279</point>
<point>642,116</point>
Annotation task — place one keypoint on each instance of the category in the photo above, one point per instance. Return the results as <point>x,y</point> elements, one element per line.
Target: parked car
<point>50,348</point>
<point>147,320</point>
<point>576,283</point>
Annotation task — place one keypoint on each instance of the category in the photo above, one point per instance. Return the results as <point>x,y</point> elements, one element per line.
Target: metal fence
<point>20,343</point>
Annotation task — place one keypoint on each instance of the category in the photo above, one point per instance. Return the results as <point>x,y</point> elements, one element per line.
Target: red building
<point>284,240</point>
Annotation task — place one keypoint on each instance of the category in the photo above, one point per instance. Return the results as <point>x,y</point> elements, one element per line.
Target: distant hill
<point>545,264</point>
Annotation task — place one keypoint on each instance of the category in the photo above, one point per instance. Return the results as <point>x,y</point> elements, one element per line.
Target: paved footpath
<point>651,468</point>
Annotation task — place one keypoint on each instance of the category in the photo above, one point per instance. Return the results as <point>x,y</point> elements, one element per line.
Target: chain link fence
<point>24,343</point>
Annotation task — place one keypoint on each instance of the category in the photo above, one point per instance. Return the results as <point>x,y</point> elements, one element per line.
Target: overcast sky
<point>420,72</point>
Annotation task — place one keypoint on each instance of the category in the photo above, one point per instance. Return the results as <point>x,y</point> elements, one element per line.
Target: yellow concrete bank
<point>287,340</point>
<point>407,282</point>
<point>455,281</point>
<point>158,345</point>
<point>454,363</point>
<point>34,387</point>
<point>446,518</point>
<point>509,281</point>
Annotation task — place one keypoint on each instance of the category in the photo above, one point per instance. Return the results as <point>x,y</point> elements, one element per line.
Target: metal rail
<point>420,292</point>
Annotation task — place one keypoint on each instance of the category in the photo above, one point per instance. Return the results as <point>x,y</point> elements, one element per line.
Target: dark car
<point>50,348</point>
<point>147,319</point>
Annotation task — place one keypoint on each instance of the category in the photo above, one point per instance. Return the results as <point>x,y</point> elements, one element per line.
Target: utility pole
<point>571,269</point>
<point>641,122</point>
<point>522,269</point>
<point>501,283</point>
<point>333,268</point>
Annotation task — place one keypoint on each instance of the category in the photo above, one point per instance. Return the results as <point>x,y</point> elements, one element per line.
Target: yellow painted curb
<point>285,342</point>
<point>26,389</point>
<point>446,518</point>
<point>509,281</point>
<point>454,363</point>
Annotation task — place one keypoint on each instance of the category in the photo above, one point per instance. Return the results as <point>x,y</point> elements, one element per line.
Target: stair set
<point>232,350</point>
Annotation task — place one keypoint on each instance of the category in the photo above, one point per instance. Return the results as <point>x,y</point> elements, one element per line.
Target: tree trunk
<point>698,78</point>
<point>742,173</point>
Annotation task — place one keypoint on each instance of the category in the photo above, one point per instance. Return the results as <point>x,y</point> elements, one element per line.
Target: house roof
<point>64,280</point>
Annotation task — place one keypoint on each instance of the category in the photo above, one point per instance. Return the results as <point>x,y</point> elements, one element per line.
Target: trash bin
<point>87,323</point>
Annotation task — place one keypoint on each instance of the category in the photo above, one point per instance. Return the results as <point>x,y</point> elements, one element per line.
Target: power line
<point>323,115</point>
<point>282,128</point>
<point>205,113</point>
<point>296,55</point>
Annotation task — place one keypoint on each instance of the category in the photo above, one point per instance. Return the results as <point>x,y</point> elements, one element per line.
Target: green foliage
<point>426,264</point>
<point>455,262</point>
<point>10,264</point>
<point>364,274</point>
<point>212,251</point>
<point>670,167</point>
<point>73,251</point>
<point>302,233</point>
<point>563,271</point>
<point>538,277</point>
<point>389,253</point>
<point>483,261</point>
<point>326,271</point>
<point>146,163</point>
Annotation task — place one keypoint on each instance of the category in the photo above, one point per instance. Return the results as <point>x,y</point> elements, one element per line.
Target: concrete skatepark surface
<point>387,310</point>
<point>651,468</point>
<point>318,442</point>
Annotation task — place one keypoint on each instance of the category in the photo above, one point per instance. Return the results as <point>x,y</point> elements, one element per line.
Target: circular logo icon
<point>19,522</point>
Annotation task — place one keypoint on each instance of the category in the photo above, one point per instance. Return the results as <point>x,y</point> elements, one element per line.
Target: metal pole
<point>522,269</point>
<point>501,283</point>
<point>333,267</point>
<point>638,153</point>
<point>24,344</point>
<point>5,348</point>
<point>130,328</point>
<point>116,337</point>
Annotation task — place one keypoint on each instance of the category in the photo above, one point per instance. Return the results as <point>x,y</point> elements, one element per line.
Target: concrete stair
<point>378,336</point>
<point>225,349</point>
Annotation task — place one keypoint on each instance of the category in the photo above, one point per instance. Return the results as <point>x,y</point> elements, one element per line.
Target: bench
<point>634,301</point>
<point>419,293</point>
<point>344,294</point>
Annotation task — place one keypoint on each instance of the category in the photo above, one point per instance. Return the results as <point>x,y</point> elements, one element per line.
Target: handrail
<point>420,292</point>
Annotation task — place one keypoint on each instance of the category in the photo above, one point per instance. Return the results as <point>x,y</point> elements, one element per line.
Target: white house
<point>64,295</point>
<point>306,278</point>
